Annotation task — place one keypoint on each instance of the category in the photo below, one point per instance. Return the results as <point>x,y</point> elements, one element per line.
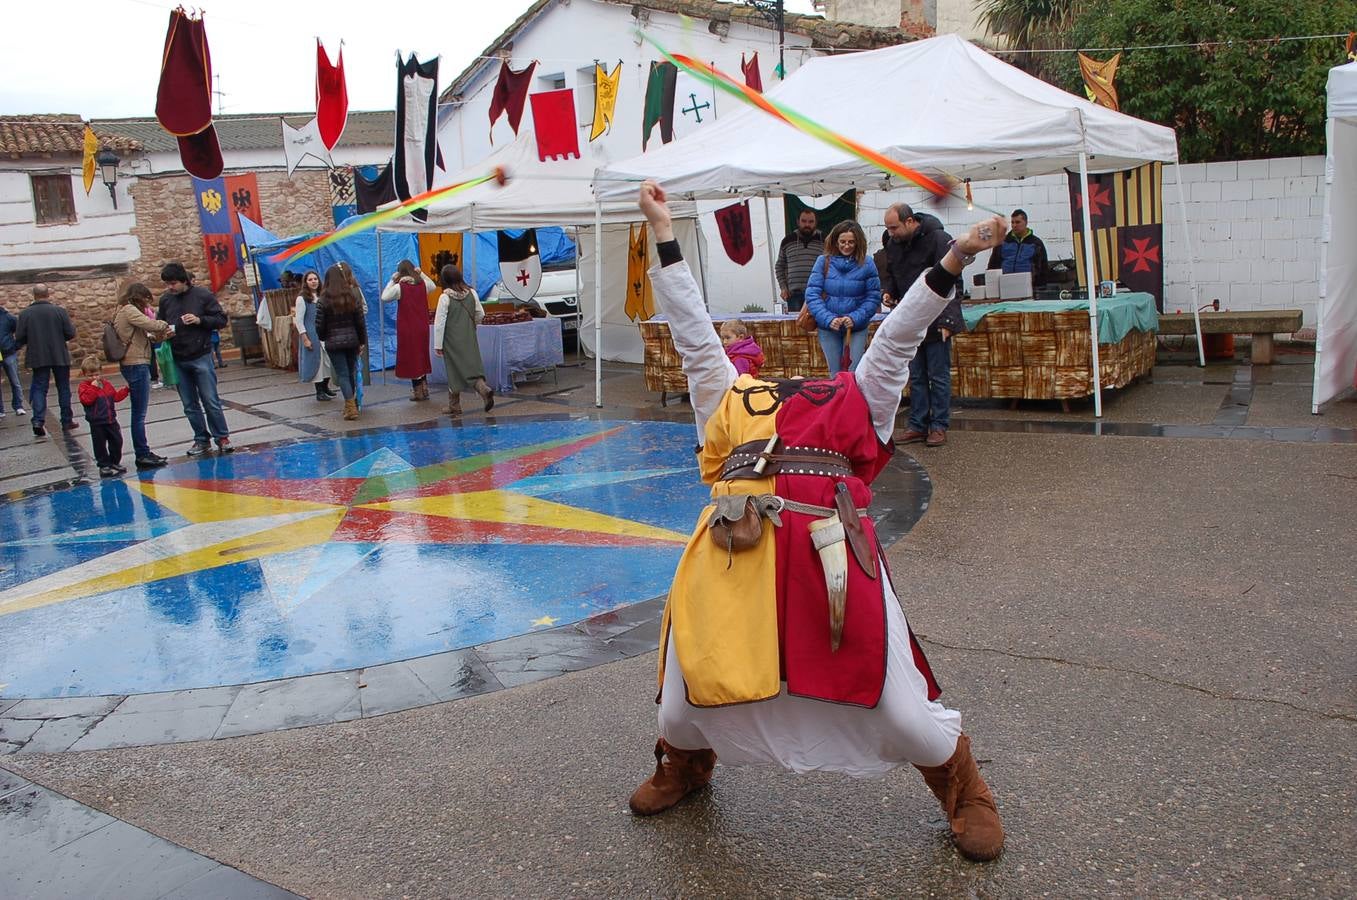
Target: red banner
<point>737,236</point>
<point>553,115</point>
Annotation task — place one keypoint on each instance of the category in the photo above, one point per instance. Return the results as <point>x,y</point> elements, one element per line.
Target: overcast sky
<point>101,58</point>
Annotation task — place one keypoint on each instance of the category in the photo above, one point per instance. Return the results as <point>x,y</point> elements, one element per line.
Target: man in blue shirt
<point>1021,251</point>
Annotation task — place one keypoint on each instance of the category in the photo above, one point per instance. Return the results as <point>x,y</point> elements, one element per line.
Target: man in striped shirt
<point>795,258</point>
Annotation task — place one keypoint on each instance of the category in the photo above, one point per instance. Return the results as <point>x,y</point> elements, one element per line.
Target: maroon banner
<point>737,236</point>
<point>752,78</point>
<point>511,90</point>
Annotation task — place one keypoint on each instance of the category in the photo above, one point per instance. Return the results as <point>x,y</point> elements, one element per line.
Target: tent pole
<point>1090,267</point>
<point>1191,265</point>
<point>1325,236</point>
<point>772,262</point>
<point>598,303</point>
<point>381,309</point>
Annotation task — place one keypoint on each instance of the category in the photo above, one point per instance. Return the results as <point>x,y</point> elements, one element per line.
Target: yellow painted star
<point>544,622</point>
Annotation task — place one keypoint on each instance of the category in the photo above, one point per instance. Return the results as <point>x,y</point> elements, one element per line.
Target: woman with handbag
<point>137,331</point>
<point>343,330</point>
<point>454,336</point>
<point>312,363</point>
<point>843,293</point>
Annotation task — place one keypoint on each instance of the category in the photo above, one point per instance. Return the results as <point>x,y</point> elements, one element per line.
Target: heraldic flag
<point>520,264</point>
<point>605,99</point>
<point>640,301</point>
<point>221,202</point>
<point>659,103</point>
<point>1126,210</point>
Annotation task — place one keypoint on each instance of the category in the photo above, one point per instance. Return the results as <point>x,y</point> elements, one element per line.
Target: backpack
<point>114,348</point>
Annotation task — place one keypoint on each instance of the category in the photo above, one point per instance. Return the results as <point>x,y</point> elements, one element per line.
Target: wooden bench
<point>1262,324</point>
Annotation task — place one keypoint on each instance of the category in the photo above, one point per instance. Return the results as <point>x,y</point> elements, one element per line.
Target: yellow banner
<point>437,251</point>
<point>605,99</point>
<point>87,164</point>
<point>640,301</point>
<point>1098,80</point>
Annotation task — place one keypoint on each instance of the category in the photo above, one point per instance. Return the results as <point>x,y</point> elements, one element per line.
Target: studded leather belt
<point>787,460</point>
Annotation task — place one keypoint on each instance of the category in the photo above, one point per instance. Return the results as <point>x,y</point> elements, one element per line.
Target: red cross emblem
<point>523,277</point>
<point>1098,196</point>
<point>1140,255</point>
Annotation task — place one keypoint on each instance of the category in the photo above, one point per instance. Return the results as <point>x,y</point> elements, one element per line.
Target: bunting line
<point>373,219</point>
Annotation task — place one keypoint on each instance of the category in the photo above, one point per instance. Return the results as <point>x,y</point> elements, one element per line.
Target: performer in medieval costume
<point>411,288</point>
<point>454,335</point>
<point>783,641</point>
<point>312,364</point>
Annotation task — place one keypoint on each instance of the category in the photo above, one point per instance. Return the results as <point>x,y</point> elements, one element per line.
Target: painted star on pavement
<point>492,497</point>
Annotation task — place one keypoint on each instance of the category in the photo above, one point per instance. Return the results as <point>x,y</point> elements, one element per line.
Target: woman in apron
<point>312,363</point>
<point>454,326</point>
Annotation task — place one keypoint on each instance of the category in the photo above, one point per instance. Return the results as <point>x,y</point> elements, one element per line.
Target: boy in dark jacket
<point>100,399</point>
<point>194,314</point>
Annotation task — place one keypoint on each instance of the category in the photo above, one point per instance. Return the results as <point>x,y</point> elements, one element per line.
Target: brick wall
<point>1254,228</point>
<point>167,229</point>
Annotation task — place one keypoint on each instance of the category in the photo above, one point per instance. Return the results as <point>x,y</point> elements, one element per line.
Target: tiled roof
<point>257,131</point>
<point>823,33</point>
<point>59,134</point>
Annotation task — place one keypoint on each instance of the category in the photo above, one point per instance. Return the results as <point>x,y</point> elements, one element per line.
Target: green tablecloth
<point>1117,315</point>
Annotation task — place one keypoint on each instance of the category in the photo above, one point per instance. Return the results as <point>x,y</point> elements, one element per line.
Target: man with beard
<point>795,258</point>
<point>918,242</point>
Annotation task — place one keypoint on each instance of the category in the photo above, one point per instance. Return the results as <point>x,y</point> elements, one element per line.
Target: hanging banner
<point>184,95</point>
<point>520,264</point>
<point>752,78</point>
<point>1099,78</point>
<point>343,203</point>
<point>416,129</point>
<point>87,163</point>
<point>1126,210</point>
<point>640,304</point>
<point>435,252</point>
<point>332,97</point>
<point>553,119</point>
<point>299,143</point>
<point>659,102</point>
<point>605,99</point>
<point>841,209</point>
<point>737,235</point>
<point>220,203</point>
<point>694,104</point>
<point>511,92</point>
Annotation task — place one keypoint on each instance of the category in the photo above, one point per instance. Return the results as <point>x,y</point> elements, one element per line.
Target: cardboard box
<point>979,292</point>
<point>1015,286</point>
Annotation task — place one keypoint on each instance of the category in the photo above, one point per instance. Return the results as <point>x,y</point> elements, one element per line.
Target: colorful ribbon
<point>801,123</point>
<point>373,219</point>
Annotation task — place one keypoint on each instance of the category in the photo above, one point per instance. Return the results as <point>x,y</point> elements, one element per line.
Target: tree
<point>1031,25</point>
<point>1227,100</point>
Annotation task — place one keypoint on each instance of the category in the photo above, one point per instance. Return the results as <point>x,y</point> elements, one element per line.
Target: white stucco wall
<point>101,235</point>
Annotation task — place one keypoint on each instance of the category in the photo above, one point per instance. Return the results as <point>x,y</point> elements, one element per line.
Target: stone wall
<point>167,230</point>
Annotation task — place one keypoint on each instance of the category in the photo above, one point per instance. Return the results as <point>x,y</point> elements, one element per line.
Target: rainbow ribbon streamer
<point>801,123</point>
<point>373,219</point>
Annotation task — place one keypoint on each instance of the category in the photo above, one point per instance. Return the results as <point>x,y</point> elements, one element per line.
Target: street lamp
<point>108,171</point>
<point>773,11</point>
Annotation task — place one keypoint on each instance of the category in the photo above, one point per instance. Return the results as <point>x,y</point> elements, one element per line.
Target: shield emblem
<point>520,264</point>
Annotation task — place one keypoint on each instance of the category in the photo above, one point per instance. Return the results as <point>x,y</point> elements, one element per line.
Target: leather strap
<point>787,460</point>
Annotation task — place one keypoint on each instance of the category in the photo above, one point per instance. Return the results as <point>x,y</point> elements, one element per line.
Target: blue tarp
<point>360,252</point>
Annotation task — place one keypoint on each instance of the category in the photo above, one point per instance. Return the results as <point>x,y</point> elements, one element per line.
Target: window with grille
<point>53,199</point>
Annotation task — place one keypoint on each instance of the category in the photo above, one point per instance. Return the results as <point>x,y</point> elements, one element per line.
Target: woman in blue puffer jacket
<point>843,293</point>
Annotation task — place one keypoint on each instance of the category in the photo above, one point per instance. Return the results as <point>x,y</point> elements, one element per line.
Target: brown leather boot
<point>351,409</point>
<point>422,391</point>
<point>487,394</point>
<point>969,805</point>
<point>684,772</point>
<point>454,404</point>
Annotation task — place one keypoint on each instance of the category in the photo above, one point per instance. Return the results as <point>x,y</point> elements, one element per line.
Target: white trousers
<point>806,735</point>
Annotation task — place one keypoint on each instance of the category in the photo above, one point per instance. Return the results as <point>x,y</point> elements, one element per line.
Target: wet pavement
<point>1146,637</point>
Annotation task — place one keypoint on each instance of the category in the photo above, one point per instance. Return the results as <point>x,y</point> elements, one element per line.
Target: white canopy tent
<point>942,106</point>
<point>558,192</point>
<point>1336,338</point>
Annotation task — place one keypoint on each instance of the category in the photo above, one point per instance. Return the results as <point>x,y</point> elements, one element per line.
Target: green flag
<point>659,102</point>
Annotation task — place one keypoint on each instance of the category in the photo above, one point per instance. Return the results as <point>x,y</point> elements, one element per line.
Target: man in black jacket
<point>918,242</point>
<point>194,314</point>
<point>43,330</point>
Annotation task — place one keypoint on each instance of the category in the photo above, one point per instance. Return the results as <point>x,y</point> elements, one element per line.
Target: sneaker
<point>108,472</point>
<point>224,445</point>
<point>2,413</point>
<point>158,385</point>
<point>39,431</point>
<point>21,411</point>
<point>151,461</point>
<point>911,437</point>
<point>122,469</point>
<point>199,448</point>
<point>936,438</point>
<point>69,426</point>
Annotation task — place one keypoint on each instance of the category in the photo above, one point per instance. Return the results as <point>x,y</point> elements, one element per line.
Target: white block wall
<point>1254,227</point>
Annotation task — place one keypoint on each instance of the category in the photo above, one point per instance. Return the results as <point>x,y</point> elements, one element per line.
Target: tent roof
<point>943,106</point>
<point>539,193</point>
<point>1343,91</point>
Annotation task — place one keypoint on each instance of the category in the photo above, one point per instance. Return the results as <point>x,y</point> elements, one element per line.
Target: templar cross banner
<point>737,236</point>
<point>1126,210</point>
<point>520,264</point>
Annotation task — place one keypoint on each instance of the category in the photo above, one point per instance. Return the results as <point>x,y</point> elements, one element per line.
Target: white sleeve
<point>299,315</point>
<point>440,321</point>
<point>883,371</point>
<point>710,372</point>
<point>479,314</point>
<point>428,282</point>
<point>392,291</point>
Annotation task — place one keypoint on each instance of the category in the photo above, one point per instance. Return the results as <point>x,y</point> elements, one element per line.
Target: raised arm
<point>710,372</point>
<point>884,370</point>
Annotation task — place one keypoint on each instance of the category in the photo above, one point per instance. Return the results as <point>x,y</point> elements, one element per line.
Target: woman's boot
<point>454,404</point>
<point>351,409</point>
<point>682,773</point>
<point>487,394</point>
<point>420,388</point>
<point>328,389</point>
<point>969,806</point>
<point>321,393</point>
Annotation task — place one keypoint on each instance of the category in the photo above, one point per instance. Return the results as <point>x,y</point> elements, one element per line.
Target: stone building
<point>86,247</point>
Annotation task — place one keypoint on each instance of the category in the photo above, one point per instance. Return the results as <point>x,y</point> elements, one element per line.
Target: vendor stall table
<point>1027,349</point>
<point>514,347</point>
